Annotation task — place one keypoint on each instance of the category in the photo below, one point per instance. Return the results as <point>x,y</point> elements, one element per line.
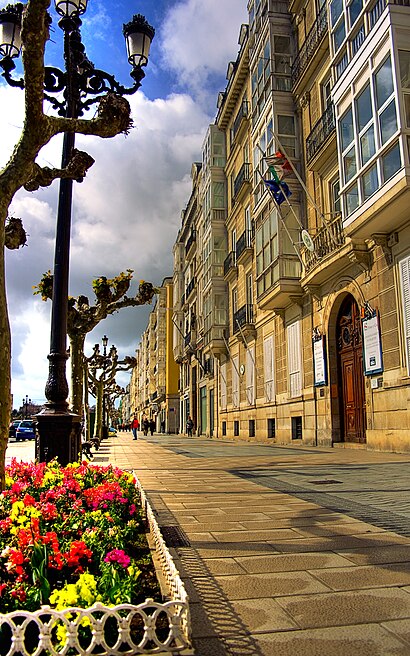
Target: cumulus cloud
<point>127,212</point>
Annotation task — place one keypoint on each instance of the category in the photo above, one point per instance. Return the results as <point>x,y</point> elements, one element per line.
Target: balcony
<point>310,47</point>
<point>242,181</point>
<point>191,241</point>
<point>321,131</point>
<point>230,268</point>
<point>240,118</point>
<point>279,285</point>
<point>189,288</point>
<point>327,241</point>
<point>214,340</point>
<point>243,322</point>
<point>244,246</point>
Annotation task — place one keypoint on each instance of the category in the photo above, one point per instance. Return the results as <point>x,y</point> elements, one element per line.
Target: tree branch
<point>76,170</point>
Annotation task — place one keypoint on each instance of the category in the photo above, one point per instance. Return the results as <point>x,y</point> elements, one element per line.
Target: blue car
<point>25,430</point>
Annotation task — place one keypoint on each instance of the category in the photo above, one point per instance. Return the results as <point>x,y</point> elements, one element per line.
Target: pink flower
<point>118,556</point>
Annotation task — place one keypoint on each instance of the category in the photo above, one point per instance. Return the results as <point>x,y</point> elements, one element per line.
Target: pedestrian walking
<point>152,426</point>
<point>145,426</point>
<point>189,426</point>
<point>135,424</point>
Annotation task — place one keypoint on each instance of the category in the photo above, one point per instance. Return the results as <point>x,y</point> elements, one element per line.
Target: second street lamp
<point>104,433</point>
<point>82,85</point>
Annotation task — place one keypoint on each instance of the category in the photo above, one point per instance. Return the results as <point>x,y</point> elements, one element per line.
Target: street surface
<point>378,493</point>
<point>22,451</point>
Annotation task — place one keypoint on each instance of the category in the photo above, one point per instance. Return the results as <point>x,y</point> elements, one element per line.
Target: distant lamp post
<point>81,86</point>
<point>104,433</point>
<point>26,405</point>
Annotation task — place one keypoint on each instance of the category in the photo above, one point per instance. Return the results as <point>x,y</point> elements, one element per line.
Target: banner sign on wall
<point>372,345</point>
<point>319,361</point>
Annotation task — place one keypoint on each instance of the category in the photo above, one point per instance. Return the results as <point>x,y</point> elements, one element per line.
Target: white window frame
<point>223,386</point>
<point>235,381</point>
<point>250,375</point>
<point>294,352</point>
<point>269,367</point>
<point>404,270</point>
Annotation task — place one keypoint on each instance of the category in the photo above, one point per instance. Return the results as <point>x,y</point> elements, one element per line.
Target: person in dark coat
<point>145,426</point>
<point>152,426</point>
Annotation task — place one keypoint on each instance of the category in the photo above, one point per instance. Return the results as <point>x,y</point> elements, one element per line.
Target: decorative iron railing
<point>244,242</point>
<point>230,262</point>
<point>313,39</point>
<point>243,317</point>
<point>242,177</point>
<point>241,115</point>
<point>326,241</point>
<point>322,129</point>
<point>191,240</point>
<point>189,287</point>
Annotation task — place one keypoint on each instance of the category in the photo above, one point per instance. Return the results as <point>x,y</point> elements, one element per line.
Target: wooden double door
<point>350,372</point>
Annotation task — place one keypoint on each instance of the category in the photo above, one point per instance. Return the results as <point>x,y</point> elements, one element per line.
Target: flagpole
<point>317,208</point>
<point>282,219</point>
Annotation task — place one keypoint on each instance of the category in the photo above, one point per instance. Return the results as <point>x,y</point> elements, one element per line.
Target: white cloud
<point>200,38</point>
<point>127,212</point>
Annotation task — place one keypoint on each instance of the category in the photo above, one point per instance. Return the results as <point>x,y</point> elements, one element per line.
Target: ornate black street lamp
<point>26,405</point>
<point>104,434</point>
<point>82,85</point>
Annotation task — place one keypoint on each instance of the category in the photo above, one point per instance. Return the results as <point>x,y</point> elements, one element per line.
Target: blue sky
<point>127,212</point>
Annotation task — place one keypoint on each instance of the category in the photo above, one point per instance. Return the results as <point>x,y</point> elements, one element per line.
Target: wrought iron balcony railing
<point>322,129</point>
<point>191,240</point>
<point>241,115</point>
<point>327,240</point>
<point>313,39</point>
<point>244,242</point>
<point>242,177</point>
<point>243,317</point>
<point>189,287</point>
<point>230,262</point>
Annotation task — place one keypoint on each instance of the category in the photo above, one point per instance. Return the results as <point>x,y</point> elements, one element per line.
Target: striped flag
<point>279,159</point>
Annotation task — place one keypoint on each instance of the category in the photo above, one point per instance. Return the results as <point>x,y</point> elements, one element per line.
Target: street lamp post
<point>26,404</point>
<point>104,433</point>
<point>82,85</point>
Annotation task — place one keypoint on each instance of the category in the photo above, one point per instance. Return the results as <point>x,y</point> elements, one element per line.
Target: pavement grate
<point>328,482</point>
<point>100,459</point>
<point>174,536</point>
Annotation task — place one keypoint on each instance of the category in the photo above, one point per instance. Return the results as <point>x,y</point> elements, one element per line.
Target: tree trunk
<point>99,388</point>
<point>5,360</point>
<point>77,373</point>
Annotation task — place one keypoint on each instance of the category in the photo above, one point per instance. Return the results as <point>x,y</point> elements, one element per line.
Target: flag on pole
<point>280,190</point>
<point>279,159</point>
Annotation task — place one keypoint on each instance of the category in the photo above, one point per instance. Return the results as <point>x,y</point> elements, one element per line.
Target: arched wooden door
<point>350,371</point>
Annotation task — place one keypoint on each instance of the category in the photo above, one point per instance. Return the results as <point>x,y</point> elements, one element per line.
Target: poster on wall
<point>372,345</point>
<point>319,361</point>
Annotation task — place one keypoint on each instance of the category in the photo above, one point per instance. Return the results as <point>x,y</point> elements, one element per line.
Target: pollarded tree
<point>21,171</point>
<point>110,296</point>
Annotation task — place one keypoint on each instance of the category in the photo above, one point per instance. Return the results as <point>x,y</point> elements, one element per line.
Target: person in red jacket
<point>135,424</point>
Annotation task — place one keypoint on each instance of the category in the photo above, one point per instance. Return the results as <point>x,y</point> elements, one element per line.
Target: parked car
<point>26,430</point>
<point>12,427</point>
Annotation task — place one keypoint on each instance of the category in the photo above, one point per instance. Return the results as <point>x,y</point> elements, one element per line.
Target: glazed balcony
<point>306,55</point>
<point>320,134</point>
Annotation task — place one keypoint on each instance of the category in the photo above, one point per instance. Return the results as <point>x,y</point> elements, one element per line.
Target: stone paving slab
<point>267,571</point>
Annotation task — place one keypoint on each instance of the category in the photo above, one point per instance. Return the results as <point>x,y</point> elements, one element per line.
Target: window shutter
<point>223,386</point>
<point>294,359</point>
<point>269,368</point>
<point>405,289</point>
<point>250,375</point>
<point>235,382</point>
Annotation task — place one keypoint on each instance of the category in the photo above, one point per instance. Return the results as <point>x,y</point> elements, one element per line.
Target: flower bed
<point>76,573</point>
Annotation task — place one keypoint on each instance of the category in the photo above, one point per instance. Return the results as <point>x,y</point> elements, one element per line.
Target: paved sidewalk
<point>269,572</point>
